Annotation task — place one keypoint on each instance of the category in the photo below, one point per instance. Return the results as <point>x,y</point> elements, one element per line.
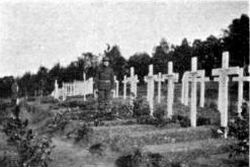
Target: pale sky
<point>45,33</point>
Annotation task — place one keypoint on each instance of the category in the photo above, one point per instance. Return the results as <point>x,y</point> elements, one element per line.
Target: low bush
<point>137,158</point>
<point>121,110</point>
<point>83,133</point>
<point>31,149</point>
<point>31,99</point>
<point>239,128</point>
<point>141,107</point>
<point>48,99</point>
<point>97,149</point>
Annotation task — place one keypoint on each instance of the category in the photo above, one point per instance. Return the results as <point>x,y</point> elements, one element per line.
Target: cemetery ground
<point>127,136</point>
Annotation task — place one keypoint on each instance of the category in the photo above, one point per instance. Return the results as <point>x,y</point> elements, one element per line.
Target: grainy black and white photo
<point>125,83</point>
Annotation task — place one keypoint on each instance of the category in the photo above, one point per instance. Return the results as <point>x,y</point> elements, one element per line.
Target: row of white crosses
<point>198,76</point>
<point>133,81</point>
<point>171,77</point>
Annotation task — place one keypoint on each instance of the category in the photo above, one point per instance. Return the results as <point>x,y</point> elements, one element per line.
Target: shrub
<point>239,128</point>
<point>183,120</point>
<point>83,133</point>
<point>122,110</point>
<point>31,150</point>
<point>141,107</point>
<point>137,158</point>
<point>97,149</point>
<point>48,99</point>
<point>145,119</point>
<point>131,160</point>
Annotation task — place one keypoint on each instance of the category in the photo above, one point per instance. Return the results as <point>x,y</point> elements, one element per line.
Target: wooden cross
<point>125,81</point>
<point>202,81</point>
<point>184,88</point>
<point>159,79</point>
<point>241,79</point>
<point>223,74</point>
<point>133,80</point>
<point>172,78</point>
<point>84,76</point>
<point>194,74</point>
<point>116,94</point>
<point>150,88</point>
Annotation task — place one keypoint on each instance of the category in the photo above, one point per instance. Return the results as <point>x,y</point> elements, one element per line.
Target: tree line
<point>235,39</point>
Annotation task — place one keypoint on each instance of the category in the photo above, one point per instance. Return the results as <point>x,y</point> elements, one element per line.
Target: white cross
<point>116,91</point>
<point>125,81</point>
<point>133,80</point>
<point>193,75</point>
<point>150,88</point>
<point>241,79</point>
<point>159,79</point>
<point>223,74</point>
<point>172,78</point>
<point>184,88</point>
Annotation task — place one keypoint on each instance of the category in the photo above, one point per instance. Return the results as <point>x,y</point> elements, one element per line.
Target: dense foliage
<point>235,39</point>
<point>32,150</point>
<point>239,128</point>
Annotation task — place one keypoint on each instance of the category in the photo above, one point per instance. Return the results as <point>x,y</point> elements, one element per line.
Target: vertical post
<point>159,87</point>
<point>170,95</point>
<point>151,90</point>
<point>240,91</point>
<point>202,94</point>
<point>193,93</point>
<point>125,87</point>
<point>183,88</point>
<point>84,76</point>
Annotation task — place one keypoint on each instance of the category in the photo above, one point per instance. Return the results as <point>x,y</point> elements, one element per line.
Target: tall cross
<point>133,80</point>
<point>150,88</point>
<point>202,81</point>
<point>84,76</point>
<point>159,79</point>
<point>223,74</point>
<point>116,87</point>
<point>193,75</point>
<point>125,81</point>
<point>172,78</point>
<point>241,79</point>
<point>184,88</point>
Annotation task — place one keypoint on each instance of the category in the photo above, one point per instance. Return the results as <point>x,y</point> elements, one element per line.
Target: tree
<point>117,62</point>
<point>140,61</point>
<point>181,57</point>
<point>208,52</point>
<point>236,41</point>
<point>161,57</point>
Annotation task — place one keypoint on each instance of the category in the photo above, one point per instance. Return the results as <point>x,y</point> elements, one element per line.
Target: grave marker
<point>223,74</point>
<point>116,94</point>
<point>172,78</point>
<point>193,77</point>
<point>159,79</point>
<point>241,79</point>
<point>150,88</point>
<point>184,88</point>
<point>125,87</point>
<point>133,80</point>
